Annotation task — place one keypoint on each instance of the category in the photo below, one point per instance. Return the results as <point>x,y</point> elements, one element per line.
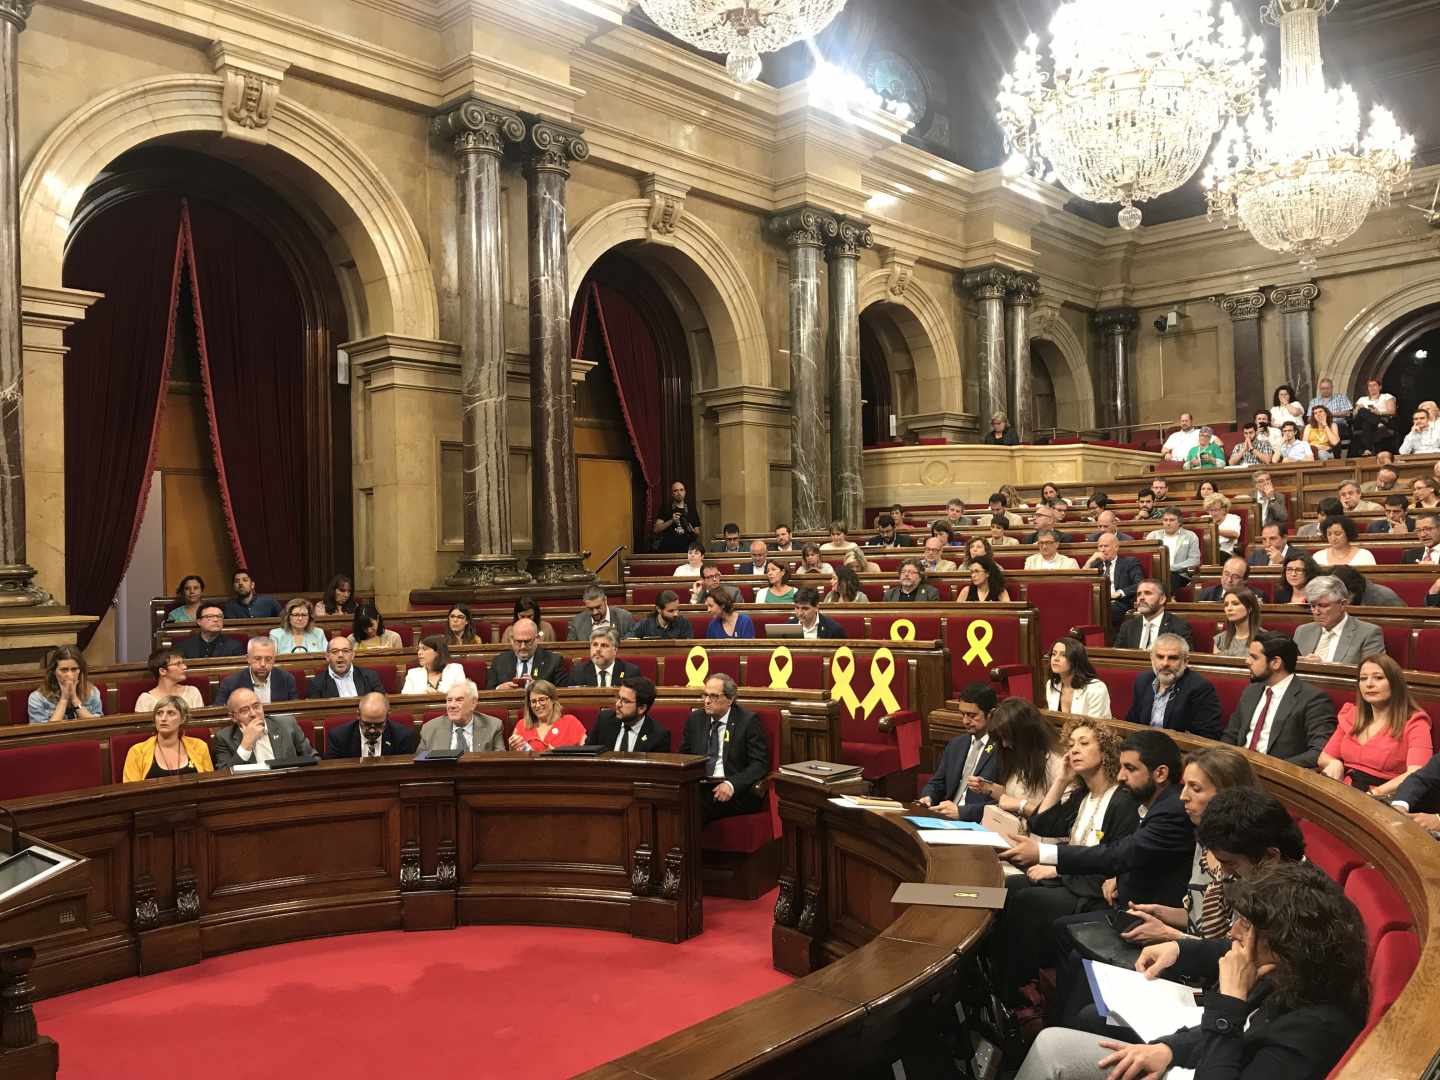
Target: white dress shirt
<point>1277,692</point>
<point>469,728</point>
<point>417,680</point>
<point>262,690</point>
<point>365,746</point>
<point>1150,629</point>
<point>1060,562</point>
<point>344,684</point>
<point>1329,640</point>
<point>629,732</point>
<point>811,632</point>
<point>260,753</point>
<point>719,771</point>
<point>605,676</point>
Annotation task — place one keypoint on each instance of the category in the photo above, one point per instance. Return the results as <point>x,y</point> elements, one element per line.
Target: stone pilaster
<point>1295,302</point>
<point>1019,300</point>
<point>847,442</point>
<point>1115,326</point>
<point>988,287</point>
<point>1244,311</point>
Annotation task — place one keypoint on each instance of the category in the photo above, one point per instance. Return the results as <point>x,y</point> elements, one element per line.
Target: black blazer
<point>1128,574</point>
<point>1261,557</point>
<point>1300,729</point>
<point>827,627</point>
<point>584,674</point>
<point>344,741</point>
<point>653,738</point>
<point>282,685</point>
<point>945,784</point>
<point>1152,865</point>
<point>1128,636</point>
<point>746,752</point>
<point>1122,815</point>
<point>543,665</point>
<point>1412,555</point>
<point>193,647</point>
<point>1194,706</point>
<point>323,685</point>
<point>1420,791</point>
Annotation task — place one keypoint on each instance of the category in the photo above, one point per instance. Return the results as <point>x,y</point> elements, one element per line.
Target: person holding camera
<point>678,525</point>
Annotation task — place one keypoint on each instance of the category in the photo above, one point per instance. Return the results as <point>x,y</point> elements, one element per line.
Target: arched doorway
<point>1043,364</point>
<point>890,337</point>
<point>1405,357</point>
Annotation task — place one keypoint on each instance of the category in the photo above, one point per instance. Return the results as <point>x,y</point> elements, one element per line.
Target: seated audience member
<point>341,678</point>
<point>1270,505</point>
<point>731,533</point>
<point>211,640</point>
<point>629,727</point>
<point>434,673</point>
<point>1160,490</point>
<point>1121,571</point>
<point>545,724</point>
<point>1419,796</point>
<point>808,617</point>
<point>462,727</point>
<point>1242,622</point>
<point>954,519</point>
<point>168,669</point>
<point>1181,441</point>
<point>1096,502</point>
<point>297,632</point>
<point>783,540</point>
<point>999,504</point>
<point>1340,548</point>
<point>1322,433</point>
<point>948,791</point>
<point>886,536</point>
<point>838,540</point>
<point>1072,685</point>
<point>1424,435</point>
<point>725,621</point>
<point>1234,572</point>
<point>1284,408</point>
<point>372,733</point>
<point>339,597</point>
<point>1046,518</point>
<point>1397,519</point>
<point>679,525</point>
<point>1050,494</point>
<point>996,533</point>
<point>811,562</point>
<point>1353,501</point>
<point>1150,620</point>
<point>1386,481</point>
<point>1207,453</point>
<point>1183,546</point>
<point>260,676</point>
<point>1274,548</point>
<point>252,736</point>
<point>603,668</point>
<point>759,559</point>
<point>1328,508</point>
<point>1048,556</point>
<point>1227,525</point>
<point>1292,447</point>
<point>934,561</point>
<point>737,754</point>
<point>987,584</point>
<point>1000,433</point>
<point>846,589</point>
<point>1027,761</point>
<point>665,622</point>
<point>857,562</point>
<point>169,752</point>
<point>1265,429</point>
<point>1204,489</point>
<point>710,582</point>
<point>694,562</point>
<point>460,625</point>
<point>600,614</point>
<point>1339,405</point>
<point>1252,449</point>
<point>1291,992</point>
<point>977,548</point>
<point>525,662</point>
<point>1107,521</point>
<point>188,595</point>
<point>1366,593</point>
<point>247,603</point>
<point>1299,570</point>
<point>1422,493</point>
<point>1381,737</point>
<point>911,586</point>
<point>1334,637</point>
<point>1172,695</point>
<point>368,631</point>
<point>1279,713</point>
<point>1427,531</point>
<point>1145,508</point>
<point>777,588</point>
<point>66,692</point>
<point>1013,502</point>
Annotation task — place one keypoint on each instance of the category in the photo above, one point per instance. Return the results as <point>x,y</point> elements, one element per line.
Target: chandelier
<point>1305,180</point>
<point>1137,94</point>
<point>742,29</point>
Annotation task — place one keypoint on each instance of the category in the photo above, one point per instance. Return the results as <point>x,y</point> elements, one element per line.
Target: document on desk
<point>1152,1007</point>
<point>942,823</point>
<point>967,837</point>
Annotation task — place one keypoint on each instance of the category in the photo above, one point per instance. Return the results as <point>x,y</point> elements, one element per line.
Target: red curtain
<point>115,380</point>
<point>635,362</point>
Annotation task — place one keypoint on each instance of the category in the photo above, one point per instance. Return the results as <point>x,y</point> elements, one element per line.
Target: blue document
<point>942,823</point>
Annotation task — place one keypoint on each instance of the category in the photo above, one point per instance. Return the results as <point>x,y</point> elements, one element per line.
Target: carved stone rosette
<point>810,913</point>
<point>478,127</point>
<point>187,900</point>
<point>785,909</point>
<point>643,871</point>
<point>16,11</point>
<point>553,146</point>
<point>1293,299</point>
<point>804,226</point>
<point>674,874</point>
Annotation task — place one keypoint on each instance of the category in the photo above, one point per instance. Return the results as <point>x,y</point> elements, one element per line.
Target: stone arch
<point>330,182</point>
<point>918,319</point>
<point>695,257</point>
<point>1364,328</point>
<point>1074,388</point>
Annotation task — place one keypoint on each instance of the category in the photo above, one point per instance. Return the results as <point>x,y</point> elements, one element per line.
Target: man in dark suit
<point>1427,531</point>
<point>1234,572</point>
<point>1270,504</point>
<point>525,661</point>
<point>886,536</point>
<point>731,543</point>
<point>1419,795</point>
<point>629,727</point>
<point>1397,517</point>
<point>737,754</point>
<point>1046,519</point>
<point>807,615</point>
<point>1173,696</point>
<point>911,586</point>
<point>341,678</point>
<point>948,791</point>
<point>1275,548</point>
<point>665,622</point>
<point>1150,620</point>
<point>1122,572</point>
<point>254,738</point>
<point>372,734</point>
<point>260,675</point>
<point>1279,713</point>
<point>602,669</point>
<point>210,641</point>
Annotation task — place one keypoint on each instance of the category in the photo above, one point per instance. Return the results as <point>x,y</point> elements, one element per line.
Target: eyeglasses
<point>711,697</point>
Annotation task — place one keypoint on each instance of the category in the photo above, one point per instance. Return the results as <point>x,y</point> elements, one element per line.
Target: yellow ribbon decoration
<point>780,674</point>
<point>697,671</point>
<point>902,630</point>
<point>842,668</point>
<point>978,635</point>
<point>882,674</point>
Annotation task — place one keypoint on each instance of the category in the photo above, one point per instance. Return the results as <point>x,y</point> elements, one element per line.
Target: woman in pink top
<point>543,727</point>
<point>1382,736</point>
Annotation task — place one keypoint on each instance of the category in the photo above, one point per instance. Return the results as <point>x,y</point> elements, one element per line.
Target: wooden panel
<point>607,509</point>
<point>195,539</point>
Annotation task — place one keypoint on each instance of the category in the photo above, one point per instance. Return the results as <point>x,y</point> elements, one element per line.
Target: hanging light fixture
<point>1137,94</point>
<point>1304,179</point>
<point>742,29</point>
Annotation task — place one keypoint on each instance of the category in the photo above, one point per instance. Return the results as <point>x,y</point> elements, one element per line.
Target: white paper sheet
<point>979,838</point>
<point>1152,1007</point>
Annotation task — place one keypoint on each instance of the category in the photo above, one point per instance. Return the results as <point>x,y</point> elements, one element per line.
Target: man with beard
<point>1173,696</point>
<point>1150,620</point>
<point>1280,714</point>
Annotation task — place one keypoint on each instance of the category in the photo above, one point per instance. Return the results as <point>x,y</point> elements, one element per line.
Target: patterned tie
<point>462,741</point>
<point>372,746</point>
<point>1260,720</point>
<point>1325,644</point>
<point>604,678</point>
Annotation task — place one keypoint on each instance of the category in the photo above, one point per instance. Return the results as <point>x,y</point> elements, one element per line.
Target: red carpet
<point>483,1001</point>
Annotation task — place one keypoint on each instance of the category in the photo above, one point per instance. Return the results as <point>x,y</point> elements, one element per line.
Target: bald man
<point>341,678</point>
<point>525,662</point>
<point>372,734</point>
<point>254,738</point>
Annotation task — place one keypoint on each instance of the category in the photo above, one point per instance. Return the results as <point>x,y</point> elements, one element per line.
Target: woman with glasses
<point>1299,571</point>
<point>545,724</point>
<point>297,632</point>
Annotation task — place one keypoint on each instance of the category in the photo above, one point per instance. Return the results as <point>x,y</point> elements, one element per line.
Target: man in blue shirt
<point>247,603</point>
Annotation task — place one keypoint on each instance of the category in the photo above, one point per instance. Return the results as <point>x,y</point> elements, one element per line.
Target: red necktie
<point>1260,720</point>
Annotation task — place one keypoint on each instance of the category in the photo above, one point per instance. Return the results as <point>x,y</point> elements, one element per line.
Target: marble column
<point>847,435</point>
<point>806,230</point>
<point>1295,302</point>
<point>988,287</point>
<point>17,578</point>
<point>1115,326</point>
<point>1244,311</point>
<point>555,499</point>
<point>1019,299</point>
<point>479,132</point>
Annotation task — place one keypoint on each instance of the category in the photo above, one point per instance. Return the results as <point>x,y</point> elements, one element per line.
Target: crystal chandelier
<point>742,29</point>
<point>1138,92</point>
<point>1305,180</point>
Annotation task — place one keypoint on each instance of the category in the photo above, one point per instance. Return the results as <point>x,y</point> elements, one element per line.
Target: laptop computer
<point>784,630</point>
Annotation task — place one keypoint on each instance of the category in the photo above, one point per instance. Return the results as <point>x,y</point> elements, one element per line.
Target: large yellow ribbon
<point>882,674</point>
<point>902,630</point>
<point>842,670</point>
<point>697,666</point>
<point>978,635</point>
<point>780,673</point>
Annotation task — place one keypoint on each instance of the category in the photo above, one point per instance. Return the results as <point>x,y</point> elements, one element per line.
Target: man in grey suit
<point>462,728</point>
<point>1279,713</point>
<point>1334,637</point>
<point>598,615</point>
<point>1183,546</point>
<point>254,738</point>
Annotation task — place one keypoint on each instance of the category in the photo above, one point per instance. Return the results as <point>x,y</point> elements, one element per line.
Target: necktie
<point>1110,572</point>
<point>604,678</point>
<point>630,742</point>
<point>524,669</point>
<point>1260,720</point>
<point>1145,641</point>
<point>462,743</point>
<point>712,748</point>
<point>372,747</point>
<point>1323,646</point>
<point>971,760</point>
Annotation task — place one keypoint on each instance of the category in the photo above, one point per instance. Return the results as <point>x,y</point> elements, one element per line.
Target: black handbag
<point>1099,939</point>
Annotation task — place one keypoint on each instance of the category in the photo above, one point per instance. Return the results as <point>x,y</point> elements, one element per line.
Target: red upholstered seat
<point>648,665</point>
<point>1392,962</point>
<point>48,768</point>
<point>1380,906</point>
<point>586,713</point>
<point>431,629</point>
<point>1397,643</point>
<point>1331,854</point>
<point>207,688</point>
<point>676,673</point>
<point>853,625</point>
<point>1202,633</point>
<point>17,705</point>
<point>672,718</point>
<point>774,613</point>
<point>750,832</point>
<point>120,744</point>
<point>1411,588</point>
<point>386,674</point>
<point>1122,689</point>
<point>129,691</point>
<point>807,670</point>
<point>474,670</point>
<point>875,590</point>
<point>1061,605</point>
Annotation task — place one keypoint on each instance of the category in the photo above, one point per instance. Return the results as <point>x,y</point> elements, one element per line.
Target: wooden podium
<point>44,894</point>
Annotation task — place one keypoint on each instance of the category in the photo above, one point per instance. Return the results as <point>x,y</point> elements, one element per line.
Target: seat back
<point>49,768</point>
<point>1392,962</point>
<point>1331,854</point>
<point>1380,906</point>
<point>386,674</point>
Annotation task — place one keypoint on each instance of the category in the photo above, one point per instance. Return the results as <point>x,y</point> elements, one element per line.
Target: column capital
<point>16,11</point>
<point>1022,289</point>
<point>1241,306</point>
<point>804,226</point>
<point>478,127</point>
<point>1290,299</point>
<point>1117,321</point>
<point>851,237</point>
<point>551,146</point>
<point>988,282</point>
